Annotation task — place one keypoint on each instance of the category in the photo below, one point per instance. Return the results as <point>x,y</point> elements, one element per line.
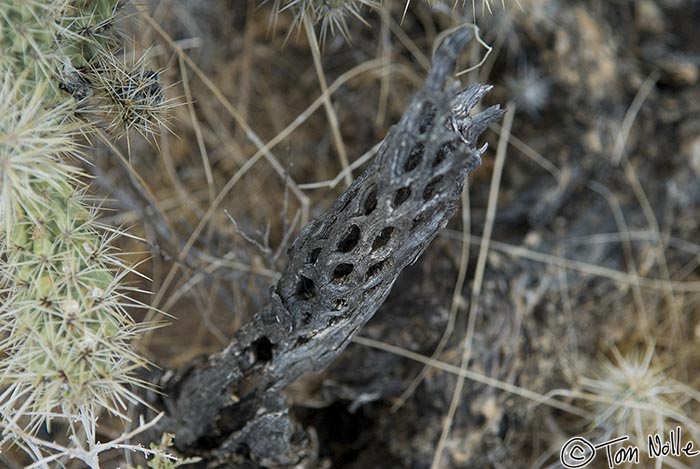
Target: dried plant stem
<point>327,103</point>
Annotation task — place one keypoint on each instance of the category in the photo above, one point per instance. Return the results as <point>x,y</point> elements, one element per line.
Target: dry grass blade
<point>478,279</point>
<point>327,103</point>
<point>454,305</point>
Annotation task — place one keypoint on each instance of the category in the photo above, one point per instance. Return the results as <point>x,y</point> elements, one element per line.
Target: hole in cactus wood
<point>444,150</point>
<point>375,269</point>
<point>312,257</point>
<point>341,272</point>
<point>349,198</point>
<point>370,202</point>
<point>425,125</point>
<point>350,240</point>
<point>262,349</point>
<point>418,220</point>
<point>429,190</point>
<point>414,158</point>
<point>306,288</point>
<point>401,196</point>
<point>306,318</point>
<point>302,340</point>
<point>383,238</point>
<point>427,122</point>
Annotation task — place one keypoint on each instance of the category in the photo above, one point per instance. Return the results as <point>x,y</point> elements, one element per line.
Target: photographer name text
<point>578,452</point>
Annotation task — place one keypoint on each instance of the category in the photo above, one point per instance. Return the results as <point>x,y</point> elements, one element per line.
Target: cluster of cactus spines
<point>56,39</point>
<point>131,96</point>
<point>630,394</point>
<point>331,14</point>
<point>64,328</point>
<point>73,45</point>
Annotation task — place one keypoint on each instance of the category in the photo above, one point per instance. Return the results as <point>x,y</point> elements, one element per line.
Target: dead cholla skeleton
<point>341,268</point>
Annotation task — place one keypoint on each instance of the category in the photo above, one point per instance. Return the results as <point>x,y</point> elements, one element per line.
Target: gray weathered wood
<point>341,268</point>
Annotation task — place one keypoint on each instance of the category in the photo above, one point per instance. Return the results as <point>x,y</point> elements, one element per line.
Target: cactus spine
<point>64,328</point>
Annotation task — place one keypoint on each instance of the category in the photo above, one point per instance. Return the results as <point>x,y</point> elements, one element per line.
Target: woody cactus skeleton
<point>341,268</point>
